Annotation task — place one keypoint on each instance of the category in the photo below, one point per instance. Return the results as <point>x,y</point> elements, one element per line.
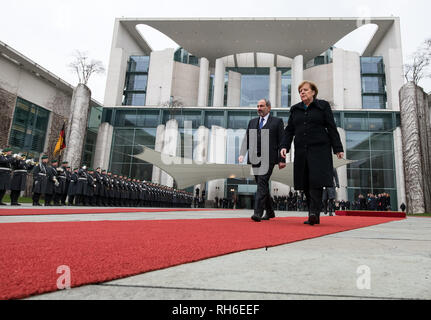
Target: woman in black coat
<point>312,124</point>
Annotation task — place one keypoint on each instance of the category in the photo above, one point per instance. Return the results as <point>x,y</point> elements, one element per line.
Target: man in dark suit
<point>262,141</point>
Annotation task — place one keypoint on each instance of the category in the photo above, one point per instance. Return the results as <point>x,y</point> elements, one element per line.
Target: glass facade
<point>136,81</point>
<point>29,126</point>
<point>369,140</point>
<point>373,83</point>
<point>286,84</point>
<point>254,85</point>
<point>184,56</point>
<point>94,121</point>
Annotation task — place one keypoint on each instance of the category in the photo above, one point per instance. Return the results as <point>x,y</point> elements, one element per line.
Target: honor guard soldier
<point>51,182</point>
<point>98,191</point>
<point>81,186</point>
<point>60,188</point>
<point>111,191</point>
<point>90,188</point>
<point>39,179</point>
<point>104,188</point>
<point>20,168</point>
<point>71,191</point>
<point>65,189</point>
<point>6,160</point>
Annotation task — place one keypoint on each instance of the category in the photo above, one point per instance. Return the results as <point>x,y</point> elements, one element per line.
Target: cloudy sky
<point>49,31</point>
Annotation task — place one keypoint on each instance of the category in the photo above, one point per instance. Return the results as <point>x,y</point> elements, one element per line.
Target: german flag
<point>61,144</point>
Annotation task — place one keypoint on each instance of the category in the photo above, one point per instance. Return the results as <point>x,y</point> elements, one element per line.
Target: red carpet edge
<point>106,250</point>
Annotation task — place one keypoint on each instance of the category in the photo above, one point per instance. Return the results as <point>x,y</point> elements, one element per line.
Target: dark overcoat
<point>73,184</point>
<point>51,176</point>
<point>5,171</point>
<point>19,176</point>
<point>315,137</point>
<point>39,178</point>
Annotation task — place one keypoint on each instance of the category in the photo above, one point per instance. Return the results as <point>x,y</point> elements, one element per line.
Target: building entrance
<point>245,201</point>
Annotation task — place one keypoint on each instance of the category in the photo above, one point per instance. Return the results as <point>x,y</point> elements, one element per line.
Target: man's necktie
<point>261,123</point>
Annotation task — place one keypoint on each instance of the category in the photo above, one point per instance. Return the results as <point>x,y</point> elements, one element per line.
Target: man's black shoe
<point>268,216</point>
<point>15,204</point>
<point>312,219</point>
<point>3,204</point>
<point>256,218</point>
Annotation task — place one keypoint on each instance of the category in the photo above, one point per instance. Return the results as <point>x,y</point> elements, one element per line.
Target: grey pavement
<point>385,261</point>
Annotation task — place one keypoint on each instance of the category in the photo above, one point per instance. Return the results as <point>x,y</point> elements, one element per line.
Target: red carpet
<point>366,213</point>
<point>106,250</point>
<point>54,211</point>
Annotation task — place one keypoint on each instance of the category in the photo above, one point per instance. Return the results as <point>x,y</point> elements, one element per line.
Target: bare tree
<point>84,67</point>
<point>174,106</point>
<point>420,61</point>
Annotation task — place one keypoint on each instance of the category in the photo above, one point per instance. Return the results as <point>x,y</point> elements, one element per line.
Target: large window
<point>374,170</point>
<point>29,126</point>
<point>183,56</point>
<point>254,85</point>
<point>373,83</point>
<point>286,82</point>
<point>136,81</point>
<point>126,143</point>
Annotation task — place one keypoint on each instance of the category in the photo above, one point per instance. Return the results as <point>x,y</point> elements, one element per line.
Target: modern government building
<point>209,87</point>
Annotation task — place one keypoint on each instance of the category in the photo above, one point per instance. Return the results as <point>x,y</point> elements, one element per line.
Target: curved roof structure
<point>187,172</point>
<point>215,38</point>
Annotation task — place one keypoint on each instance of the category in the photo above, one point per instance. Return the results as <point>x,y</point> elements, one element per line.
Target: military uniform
<point>51,182</point>
<point>98,191</point>
<point>5,172</point>
<point>81,187</point>
<point>18,183</point>
<point>65,181</point>
<point>73,184</point>
<point>90,188</point>
<point>39,181</point>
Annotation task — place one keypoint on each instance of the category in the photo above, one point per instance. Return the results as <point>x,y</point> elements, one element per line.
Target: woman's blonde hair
<point>312,87</point>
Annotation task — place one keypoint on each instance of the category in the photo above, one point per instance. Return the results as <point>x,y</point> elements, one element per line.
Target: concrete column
<point>160,137</point>
<point>200,152</point>
<point>203,83</point>
<point>399,167</point>
<point>338,78</point>
<point>77,125</point>
<point>160,77</point>
<point>217,154</point>
<point>218,100</point>
<point>297,77</point>
<point>273,86</point>
<point>416,141</point>
<point>342,171</point>
<point>170,147</point>
<point>390,49</point>
<point>234,89</point>
<point>103,146</point>
<point>116,77</point>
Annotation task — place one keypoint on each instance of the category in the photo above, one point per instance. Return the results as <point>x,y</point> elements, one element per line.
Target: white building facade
<point>206,91</point>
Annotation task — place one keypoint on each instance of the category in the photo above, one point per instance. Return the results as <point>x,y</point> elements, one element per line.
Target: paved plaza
<point>385,261</point>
